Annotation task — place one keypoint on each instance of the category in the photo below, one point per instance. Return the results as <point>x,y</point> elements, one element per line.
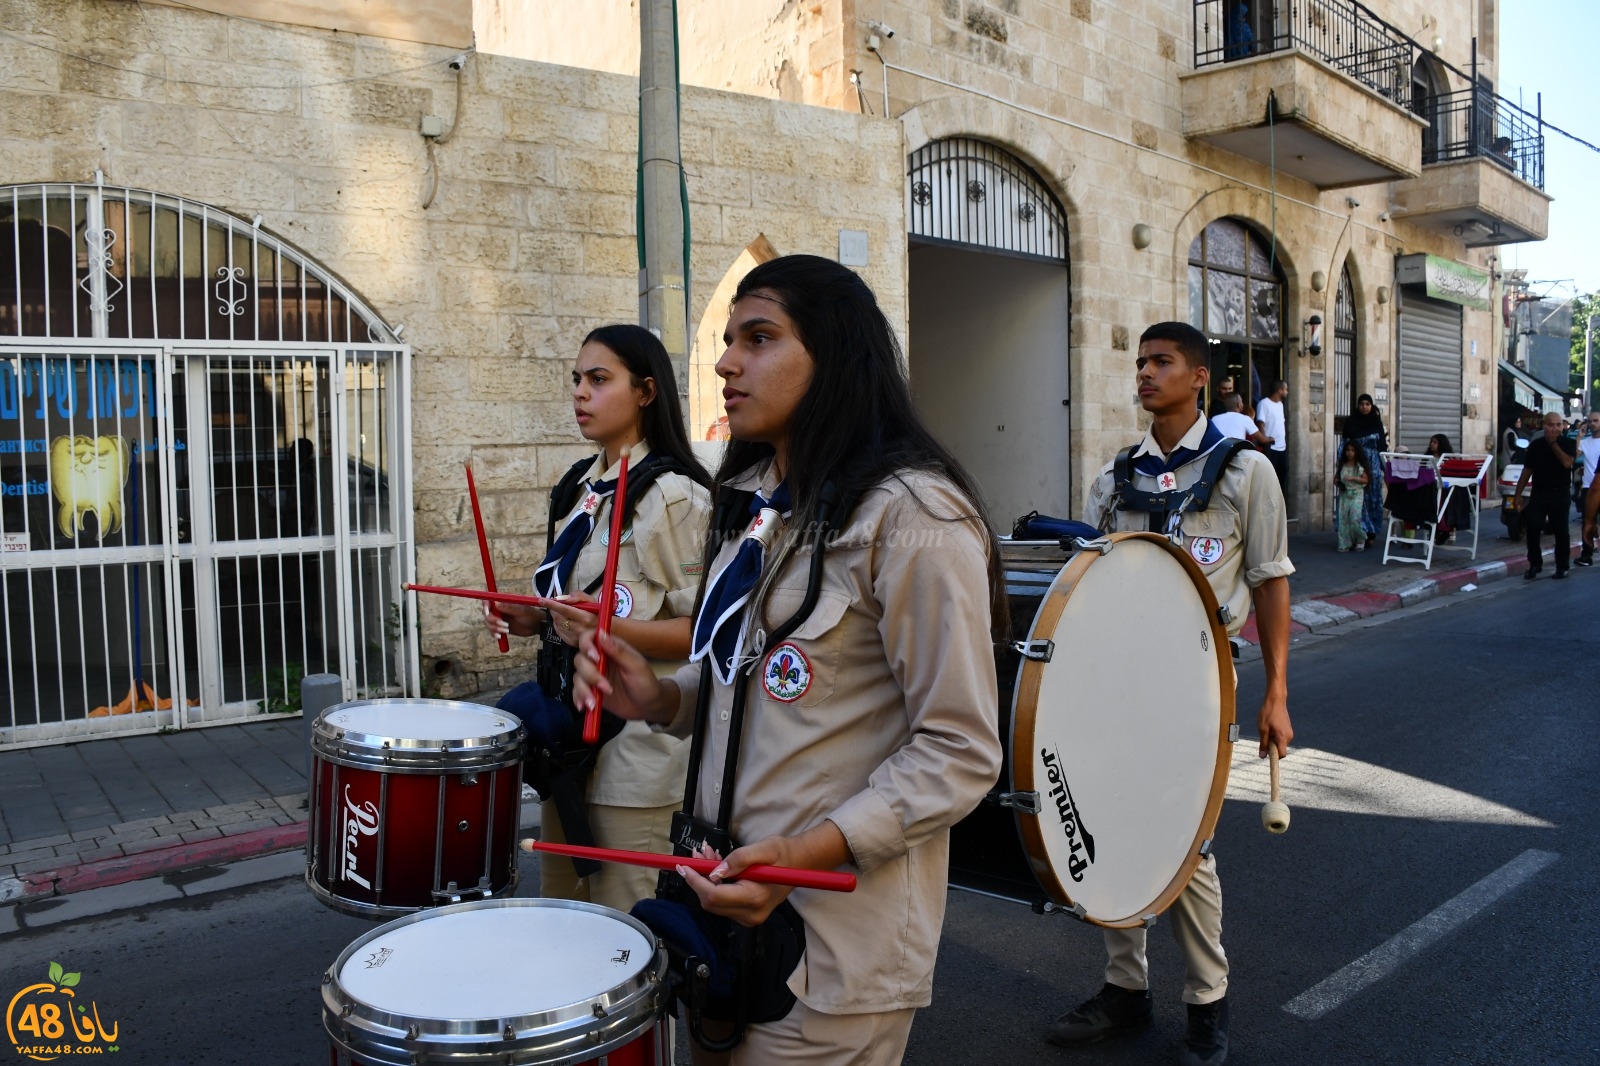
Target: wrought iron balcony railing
<point>1341,33</point>
<point>1476,122</point>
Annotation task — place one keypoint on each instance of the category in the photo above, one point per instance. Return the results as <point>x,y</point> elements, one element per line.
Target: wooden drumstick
<point>794,877</point>
<point>483,549</point>
<point>507,597</point>
<point>608,601</point>
<point>1275,815</point>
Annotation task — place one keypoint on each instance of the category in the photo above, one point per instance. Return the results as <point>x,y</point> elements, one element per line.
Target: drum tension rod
<point>1103,545</point>
<point>1040,651</point>
<point>1026,802</point>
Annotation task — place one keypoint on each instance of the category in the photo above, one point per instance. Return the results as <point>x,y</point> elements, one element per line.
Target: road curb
<point>82,877</point>
<point>1319,613</point>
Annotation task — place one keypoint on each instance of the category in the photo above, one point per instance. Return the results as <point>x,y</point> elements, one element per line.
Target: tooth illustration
<point>87,474</point>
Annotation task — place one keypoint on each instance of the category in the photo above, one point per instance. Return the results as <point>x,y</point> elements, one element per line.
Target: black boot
<point>1206,1042</point>
<point>1113,1009</point>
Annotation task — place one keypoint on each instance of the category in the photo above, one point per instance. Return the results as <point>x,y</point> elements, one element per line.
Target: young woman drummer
<point>869,727</point>
<point>625,399</point>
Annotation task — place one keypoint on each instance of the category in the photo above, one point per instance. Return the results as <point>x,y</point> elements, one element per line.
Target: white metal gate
<point>204,471</point>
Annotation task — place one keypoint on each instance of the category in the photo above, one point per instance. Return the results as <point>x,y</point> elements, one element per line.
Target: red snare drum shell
<point>414,803</point>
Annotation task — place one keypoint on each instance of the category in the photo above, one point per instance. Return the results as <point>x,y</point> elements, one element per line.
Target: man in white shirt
<point>1269,412</point>
<point>1231,421</point>
<point>1589,453</point>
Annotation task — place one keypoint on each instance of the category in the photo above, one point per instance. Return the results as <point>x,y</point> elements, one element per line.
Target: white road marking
<point>1322,781</point>
<point>1417,937</point>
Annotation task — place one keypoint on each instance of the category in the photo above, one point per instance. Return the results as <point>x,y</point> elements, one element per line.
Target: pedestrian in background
<point>1589,453</point>
<point>1548,465</point>
<point>1270,415</point>
<point>1365,428</point>
<point>1351,483</point>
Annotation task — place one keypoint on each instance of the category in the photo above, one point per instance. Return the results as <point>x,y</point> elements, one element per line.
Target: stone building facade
<point>1115,133</point>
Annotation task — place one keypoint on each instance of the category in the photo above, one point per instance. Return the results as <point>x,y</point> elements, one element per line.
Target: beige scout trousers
<point>818,1039</point>
<point>1196,917</point>
<point>616,886</point>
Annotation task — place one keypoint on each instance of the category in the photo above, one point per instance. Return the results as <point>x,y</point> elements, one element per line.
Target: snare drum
<point>509,982</point>
<point>413,803</point>
<point>1116,702</point>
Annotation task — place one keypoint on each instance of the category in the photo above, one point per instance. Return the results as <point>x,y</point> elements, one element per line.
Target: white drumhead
<point>501,962</point>
<point>419,720</point>
<point>1126,733</point>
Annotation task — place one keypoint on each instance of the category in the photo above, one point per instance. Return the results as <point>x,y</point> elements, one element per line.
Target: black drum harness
<point>559,771</point>
<point>1165,509</point>
<point>763,957</point>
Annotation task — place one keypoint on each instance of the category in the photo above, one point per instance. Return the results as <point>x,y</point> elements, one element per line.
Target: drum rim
<point>1023,723</point>
<point>367,750</point>
<point>383,912</point>
<point>629,1008</point>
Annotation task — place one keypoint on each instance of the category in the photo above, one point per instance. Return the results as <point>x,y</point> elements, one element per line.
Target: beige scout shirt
<point>1240,540</point>
<point>658,569</point>
<point>879,713</point>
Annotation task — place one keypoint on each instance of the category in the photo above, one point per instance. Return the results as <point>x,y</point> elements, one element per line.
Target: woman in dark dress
<point>1365,428</point>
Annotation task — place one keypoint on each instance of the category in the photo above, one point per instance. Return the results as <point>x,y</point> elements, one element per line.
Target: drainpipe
<point>663,213</point>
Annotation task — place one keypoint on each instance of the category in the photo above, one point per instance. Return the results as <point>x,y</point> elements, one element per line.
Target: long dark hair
<point>855,427</point>
<point>643,354</point>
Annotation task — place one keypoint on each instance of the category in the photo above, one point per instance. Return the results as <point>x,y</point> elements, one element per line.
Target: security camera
<point>459,61</point>
<point>1384,217</point>
<point>1352,202</point>
<point>880,28</point>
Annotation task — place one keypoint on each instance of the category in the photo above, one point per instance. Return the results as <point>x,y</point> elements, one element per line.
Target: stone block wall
<point>526,244</point>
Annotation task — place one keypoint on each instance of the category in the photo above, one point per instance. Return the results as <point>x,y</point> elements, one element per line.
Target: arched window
<point>1344,351</point>
<point>963,191</point>
<point>1236,299</point>
<point>95,261</point>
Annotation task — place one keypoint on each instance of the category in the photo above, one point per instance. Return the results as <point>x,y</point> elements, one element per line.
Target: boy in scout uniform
<point>1237,534</point>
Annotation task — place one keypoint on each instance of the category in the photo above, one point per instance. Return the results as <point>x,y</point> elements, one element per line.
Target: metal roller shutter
<point>1430,372</point>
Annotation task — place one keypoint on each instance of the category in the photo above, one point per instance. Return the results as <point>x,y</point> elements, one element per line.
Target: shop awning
<point>1528,390</point>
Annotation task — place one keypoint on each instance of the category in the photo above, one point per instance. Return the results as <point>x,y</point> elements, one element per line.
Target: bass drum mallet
<point>1275,814</point>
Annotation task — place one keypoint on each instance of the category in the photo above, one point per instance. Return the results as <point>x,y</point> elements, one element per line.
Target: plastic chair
<point>1461,476</point>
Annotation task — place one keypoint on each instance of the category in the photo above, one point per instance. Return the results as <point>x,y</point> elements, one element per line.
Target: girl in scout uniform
<point>625,399</point>
<point>869,726</point>
<point>1238,534</point>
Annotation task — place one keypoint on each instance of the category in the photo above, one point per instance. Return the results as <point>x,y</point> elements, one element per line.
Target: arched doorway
<point>1236,292</point>
<point>204,452</point>
<point>990,321</point>
<point>707,422</point>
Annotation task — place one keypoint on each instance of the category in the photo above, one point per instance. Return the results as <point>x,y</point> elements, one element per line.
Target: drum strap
<point>1165,508</point>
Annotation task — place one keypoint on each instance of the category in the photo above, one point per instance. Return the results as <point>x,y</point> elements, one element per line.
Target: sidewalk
<point>107,812</point>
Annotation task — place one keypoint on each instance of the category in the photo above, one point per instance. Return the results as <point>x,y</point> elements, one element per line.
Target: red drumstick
<point>608,601</point>
<point>507,597</point>
<point>794,877</point>
<point>483,549</point>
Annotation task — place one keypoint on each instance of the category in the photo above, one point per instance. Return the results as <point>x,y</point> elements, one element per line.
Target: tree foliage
<point>1582,308</point>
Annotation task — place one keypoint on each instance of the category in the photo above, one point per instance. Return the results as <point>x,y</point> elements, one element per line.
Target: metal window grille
<point>189,525</point>
<point>964,191</point>
<point>1344,351</point>
<point>1347,36</point>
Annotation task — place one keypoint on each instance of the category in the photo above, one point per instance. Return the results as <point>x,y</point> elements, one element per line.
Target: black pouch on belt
<point>723,971</point>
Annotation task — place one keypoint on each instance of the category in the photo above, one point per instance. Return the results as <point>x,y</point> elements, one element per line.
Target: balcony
<point>1482,175</point>
<point>1320,89</point>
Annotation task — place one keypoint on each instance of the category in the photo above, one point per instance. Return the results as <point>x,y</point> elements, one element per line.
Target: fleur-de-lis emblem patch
<point>787,673</point>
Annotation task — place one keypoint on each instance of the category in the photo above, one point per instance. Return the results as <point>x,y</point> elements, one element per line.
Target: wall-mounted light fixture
<point>1312,337</point>
<point>1142,236</point>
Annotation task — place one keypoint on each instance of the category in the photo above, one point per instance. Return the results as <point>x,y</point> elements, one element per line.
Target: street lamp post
<point>1588,380</point>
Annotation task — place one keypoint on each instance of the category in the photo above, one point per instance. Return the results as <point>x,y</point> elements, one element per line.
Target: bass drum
<point>1117,709</point>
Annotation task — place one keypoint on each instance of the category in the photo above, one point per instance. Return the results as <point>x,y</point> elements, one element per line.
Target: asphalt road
<point>1442,835</point>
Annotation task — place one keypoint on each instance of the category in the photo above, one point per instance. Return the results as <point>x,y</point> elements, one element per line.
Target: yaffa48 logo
<point>46,1021</point>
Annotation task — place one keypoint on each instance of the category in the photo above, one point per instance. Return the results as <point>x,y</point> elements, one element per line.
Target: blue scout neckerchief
<point>721,625</point>
<point>553,574</point>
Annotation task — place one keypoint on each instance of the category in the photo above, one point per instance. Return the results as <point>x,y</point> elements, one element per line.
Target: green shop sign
<point>1445,279</point>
